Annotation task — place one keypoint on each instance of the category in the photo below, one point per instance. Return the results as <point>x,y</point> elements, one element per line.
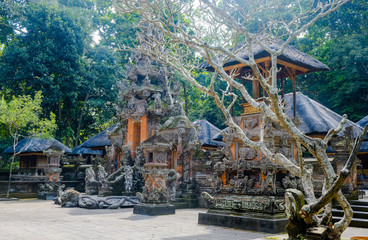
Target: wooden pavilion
<point>291,63</point>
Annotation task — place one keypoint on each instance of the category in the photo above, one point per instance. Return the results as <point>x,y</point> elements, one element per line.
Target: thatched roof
<point>207,133</point>
<point>362,122</point>
<point>33,145</point>
<point>364,147</point>
<point>315,118</point>
<point>99,140</point>
<point>218,136</point>
<point>290,55</point>
<point>85,151</point>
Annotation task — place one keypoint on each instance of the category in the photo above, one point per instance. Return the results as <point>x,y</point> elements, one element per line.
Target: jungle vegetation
<point>67,50</point>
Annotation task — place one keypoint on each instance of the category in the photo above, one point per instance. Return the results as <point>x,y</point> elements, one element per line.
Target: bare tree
<point>217,31</point>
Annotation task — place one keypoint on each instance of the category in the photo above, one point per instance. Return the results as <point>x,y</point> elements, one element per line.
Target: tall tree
<point>101,71</point>
<point>340,41</point>
<point>259,24</point>
<point>54,54</point>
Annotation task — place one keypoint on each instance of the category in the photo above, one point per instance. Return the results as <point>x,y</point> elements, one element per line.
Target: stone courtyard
<point>37,219</point>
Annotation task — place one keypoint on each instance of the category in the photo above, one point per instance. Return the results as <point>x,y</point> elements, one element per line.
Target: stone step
<point>355,222</point>
<point>359,202</point>
<point>361,208</point>
<point>180,205</point>
<point>185,204</point>
<point>181,199</point>
<point>357,214</point>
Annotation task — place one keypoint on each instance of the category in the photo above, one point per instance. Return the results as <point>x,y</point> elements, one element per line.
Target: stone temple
<point>156,153</point>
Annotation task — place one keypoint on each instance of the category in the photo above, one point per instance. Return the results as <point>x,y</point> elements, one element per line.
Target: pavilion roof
<point>33,145</point>
<point>364,147</point>
<point>85,151</point>
<point>291,57</point>
<point>207,133</point>
<point>316,119</point>
<point>362,122</point>
<point>99,140</point>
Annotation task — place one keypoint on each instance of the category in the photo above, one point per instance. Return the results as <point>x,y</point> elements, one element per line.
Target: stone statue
<point>171,184</point>
<point>217,183</point>
<point>294,201</point>
<point>128,173</point>
<point>101,174</point>
<point>268,184</point>
<point>209,200</point>
<point>90,175</point>
<point>69,198</point>
<point>157,99</point>
<point>138,180</point>
<point>91,182</point>
<point>289,181</point>
<point>103,188</point>
<point>117,176</point>
<point>250,183</point>
<point>73,198</point>
<point>227,152</point>
<point>240,185</point>
<point>139,159</point>
<point>126,156</point>
<point>59,192</point>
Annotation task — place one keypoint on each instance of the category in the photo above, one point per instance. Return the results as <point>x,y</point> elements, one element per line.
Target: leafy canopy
<point>21,115</point>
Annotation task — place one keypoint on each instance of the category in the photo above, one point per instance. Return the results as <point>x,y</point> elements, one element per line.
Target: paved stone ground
<point>37,219</point>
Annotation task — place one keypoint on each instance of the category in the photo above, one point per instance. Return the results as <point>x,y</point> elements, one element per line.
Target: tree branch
<point>311,209</point>
<point>336,130</point>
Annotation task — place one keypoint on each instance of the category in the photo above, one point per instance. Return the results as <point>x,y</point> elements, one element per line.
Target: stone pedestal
<point>272,225</point>
<point>53,169</point>
<point>319,233</point>
<point>255,213</point>
<point>154,209</point>
<point>155,197</point>
<point>50,188</point>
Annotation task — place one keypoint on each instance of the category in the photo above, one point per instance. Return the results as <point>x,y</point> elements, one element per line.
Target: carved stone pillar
<point>53,169</point>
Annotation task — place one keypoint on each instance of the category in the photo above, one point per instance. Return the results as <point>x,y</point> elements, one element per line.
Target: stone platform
<point>272,225</point>
<point>154,209</point>
<point>9,199</point>
<point>46,195</point>
<point>40,219</point>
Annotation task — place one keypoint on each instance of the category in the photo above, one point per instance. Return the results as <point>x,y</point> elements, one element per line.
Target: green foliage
<point>340,41</point>
<point>54,54</point>
<point>21,116</point>
<point>5,163</point>
<point>202,106</point>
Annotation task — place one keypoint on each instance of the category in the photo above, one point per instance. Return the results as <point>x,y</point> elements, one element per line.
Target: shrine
<point>39,167</point>
<point>248,190</point>
<point>156,160</point>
